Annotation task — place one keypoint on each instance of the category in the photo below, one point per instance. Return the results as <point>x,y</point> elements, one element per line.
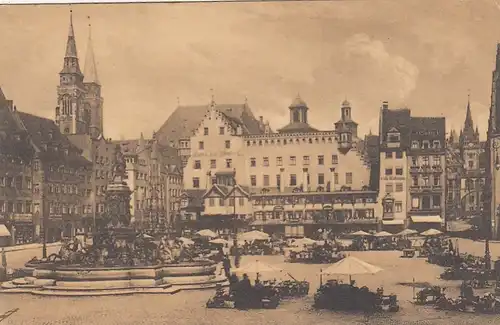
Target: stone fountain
<point>119,261</point>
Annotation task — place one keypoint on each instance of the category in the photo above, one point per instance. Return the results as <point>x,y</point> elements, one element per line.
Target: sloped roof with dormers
<point>185,120</point>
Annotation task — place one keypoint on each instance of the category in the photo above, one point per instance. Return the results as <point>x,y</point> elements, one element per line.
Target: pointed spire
<point>71,64</point>
<point>469,124</point>
<point>71,43</point>
<point>90,69</point>
<point>498,58</point>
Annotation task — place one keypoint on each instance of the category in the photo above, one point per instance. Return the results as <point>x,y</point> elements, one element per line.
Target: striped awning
<point>393,222</point>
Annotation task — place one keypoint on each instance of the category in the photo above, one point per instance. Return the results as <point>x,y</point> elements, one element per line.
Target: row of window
<point>426,144</point>
<point>426,180</point>
<point>395,154</point>
<point>424,161</point>
<point>293,180</point>
<point>290,141</point>
<point>426,202</point>
<point>63,188</point>
<point>201,145</point>
<point>222,130</point>
<point>306,160</point>
<point>334,215</point>
<point>16,207</point>
<point>18,182</point>
<point>212,202</point>
<point>394,187</point>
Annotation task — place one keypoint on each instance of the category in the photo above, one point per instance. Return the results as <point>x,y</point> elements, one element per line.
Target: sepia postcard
<point>267,162</point>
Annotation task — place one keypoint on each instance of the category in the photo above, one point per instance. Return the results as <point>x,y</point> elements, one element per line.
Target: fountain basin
<point>74,280</point>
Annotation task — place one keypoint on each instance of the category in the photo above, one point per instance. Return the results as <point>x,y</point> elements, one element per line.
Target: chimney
<point>261,119</point>
<point>385,105</point>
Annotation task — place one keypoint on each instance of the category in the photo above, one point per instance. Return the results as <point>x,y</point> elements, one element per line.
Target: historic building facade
<point>298,180</point>
<point>412,169</point>
<point>467,180</point>
<point>154,175</point>
<point>44,194</point>
<point>491,194</point>
<point>394,174</point>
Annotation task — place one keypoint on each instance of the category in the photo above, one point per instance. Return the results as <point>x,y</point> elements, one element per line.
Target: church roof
<point>185,119</point>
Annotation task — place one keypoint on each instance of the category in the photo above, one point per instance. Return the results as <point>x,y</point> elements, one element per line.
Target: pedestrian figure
<point>4,258</point>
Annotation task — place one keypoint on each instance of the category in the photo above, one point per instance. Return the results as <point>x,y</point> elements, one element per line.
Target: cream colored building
<point>299,179</point>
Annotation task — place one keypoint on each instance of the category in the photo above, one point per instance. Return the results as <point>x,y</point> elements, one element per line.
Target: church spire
<point>469,124</point>
<point>71,64</point>
<point>90,69</point>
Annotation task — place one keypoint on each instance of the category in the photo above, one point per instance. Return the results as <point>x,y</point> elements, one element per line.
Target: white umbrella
<point>207,233</point>
<point>431,232</point>
<point>253,235</point>
<point>186,241</point>
<point>351,265</point>
<point>304,241</point>
<point>219,241</point>
<point>258,267</point>
<point>360,233</point>
<point>383,234</point>
<point>407,232</point>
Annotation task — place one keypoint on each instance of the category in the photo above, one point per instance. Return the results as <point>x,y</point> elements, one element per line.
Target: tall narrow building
<point>72,116</point>
<point>492,186</point>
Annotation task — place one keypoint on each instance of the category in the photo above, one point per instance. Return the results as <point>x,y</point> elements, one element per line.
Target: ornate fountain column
<point>117,206</point>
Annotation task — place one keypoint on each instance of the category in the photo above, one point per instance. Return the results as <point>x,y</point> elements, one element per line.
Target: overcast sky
<point>423,54</point>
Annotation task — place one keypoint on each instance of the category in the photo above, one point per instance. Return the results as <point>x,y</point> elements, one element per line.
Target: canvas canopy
<point>351,266</point>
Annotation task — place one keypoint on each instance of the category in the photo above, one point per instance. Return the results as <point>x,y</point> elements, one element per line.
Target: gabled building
<point>154,176</point>
<point>184,122</point>
<point>299,179</point>
<point>46,193</point>
<point>412,165</point>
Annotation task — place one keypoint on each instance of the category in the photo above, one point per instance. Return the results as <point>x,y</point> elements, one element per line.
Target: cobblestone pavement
<point>188,308</point>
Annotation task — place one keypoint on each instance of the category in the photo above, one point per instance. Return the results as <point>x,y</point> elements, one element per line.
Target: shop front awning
<point>393,222</point>
<point>4,232</point>
<point>426,219</point>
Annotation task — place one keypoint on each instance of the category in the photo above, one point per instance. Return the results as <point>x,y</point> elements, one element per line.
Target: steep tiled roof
<point>185,119</point>
<point>43,132</point>
<point>398,119</point>
<point>428,128</point>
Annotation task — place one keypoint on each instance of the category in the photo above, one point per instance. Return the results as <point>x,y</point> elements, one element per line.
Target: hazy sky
<point>423,54</point>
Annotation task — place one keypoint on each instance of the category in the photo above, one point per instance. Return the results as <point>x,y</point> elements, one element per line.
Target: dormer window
<point>393,137</point>
<point>436,144</point>
<point>414,144</point>
<point>425,144</point>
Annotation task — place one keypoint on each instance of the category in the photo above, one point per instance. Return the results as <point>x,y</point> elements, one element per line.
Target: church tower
<point>492,188</point>
<point>71,115</point>
<point>93,99</point>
